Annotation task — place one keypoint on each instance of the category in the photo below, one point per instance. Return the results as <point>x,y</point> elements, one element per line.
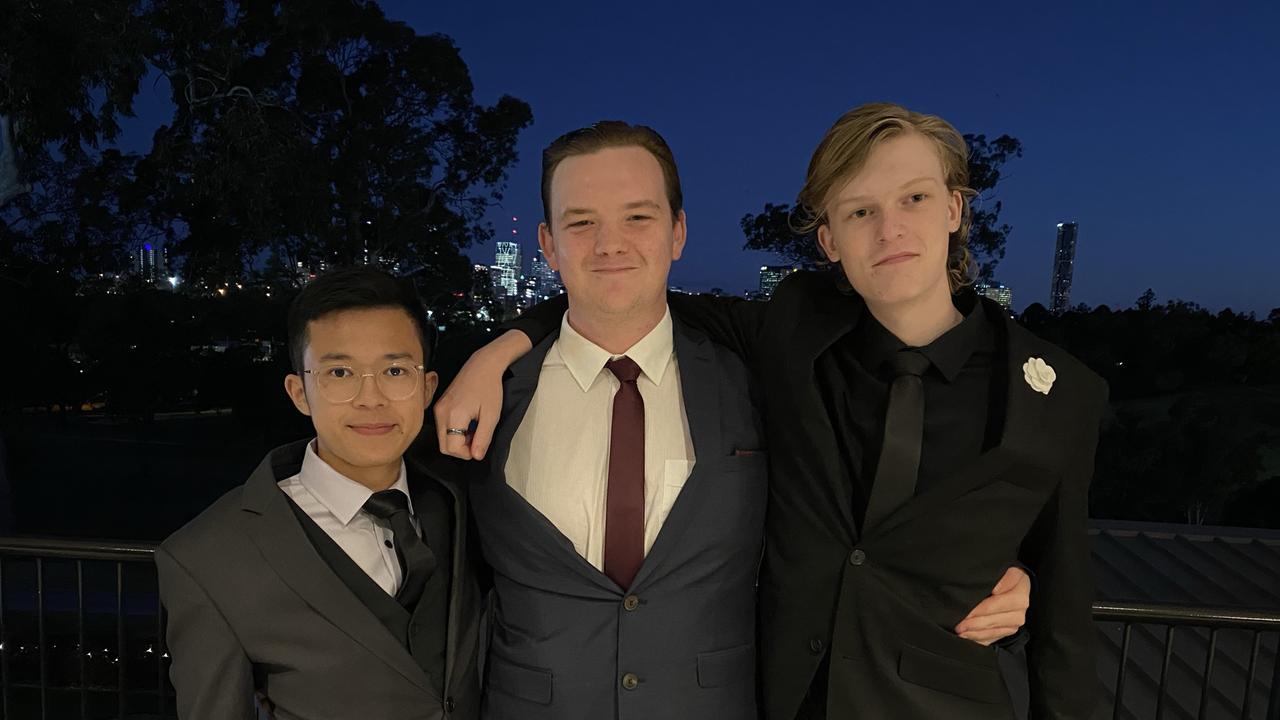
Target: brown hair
<point>610,134</point>
<point>844,150</point>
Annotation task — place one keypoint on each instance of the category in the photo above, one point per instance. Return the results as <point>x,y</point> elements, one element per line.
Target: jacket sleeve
<point>1062,644</point>
<point>732,322</point>
<point>212,676</point>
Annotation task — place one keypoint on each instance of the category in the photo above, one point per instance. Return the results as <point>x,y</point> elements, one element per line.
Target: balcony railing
<point>82,635</point>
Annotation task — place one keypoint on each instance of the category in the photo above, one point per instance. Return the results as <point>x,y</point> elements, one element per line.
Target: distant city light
<point>173,281</point>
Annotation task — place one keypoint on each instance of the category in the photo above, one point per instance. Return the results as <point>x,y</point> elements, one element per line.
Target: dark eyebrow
<point>649,204</point>
<point>343,357</point>
<point>575,211</point>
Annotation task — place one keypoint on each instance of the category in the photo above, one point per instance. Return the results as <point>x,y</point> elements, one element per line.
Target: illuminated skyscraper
<point>996,291</point>
<point>507,257</point>
<point>1064,261</point>
<point>771,275</point>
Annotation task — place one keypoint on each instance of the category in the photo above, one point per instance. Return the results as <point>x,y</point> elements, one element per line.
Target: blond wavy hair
<point>844,151</point>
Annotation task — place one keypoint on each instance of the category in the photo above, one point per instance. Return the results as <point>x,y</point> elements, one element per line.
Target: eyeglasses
<point>341,383</point>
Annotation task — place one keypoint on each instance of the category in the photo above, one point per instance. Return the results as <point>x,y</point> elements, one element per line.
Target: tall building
<point>548,280</point>
<point>507,257</point>
<point>996,291</point>
<point>771,275</point>
<point>151,263</point>
<point>1064,261</point>
<point>503,280</point>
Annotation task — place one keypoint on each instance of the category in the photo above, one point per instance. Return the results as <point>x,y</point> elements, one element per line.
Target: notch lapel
<point>1021,436</point>
<point>695,358</point>
<point>284,545</point>
<point>518,390</point>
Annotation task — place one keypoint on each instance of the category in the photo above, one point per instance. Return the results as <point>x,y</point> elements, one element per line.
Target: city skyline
<point>1098,97</point>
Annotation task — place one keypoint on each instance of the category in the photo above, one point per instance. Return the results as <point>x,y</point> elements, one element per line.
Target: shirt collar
<point>585,359</point>
<point>339,494</point>
<point>948,353</point>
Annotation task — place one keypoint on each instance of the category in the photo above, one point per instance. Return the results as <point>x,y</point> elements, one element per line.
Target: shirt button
<point>857,557</point>
<point>815,646</point>
<point>630,681</point>
<point>630,602</point>
<point>448,704</point>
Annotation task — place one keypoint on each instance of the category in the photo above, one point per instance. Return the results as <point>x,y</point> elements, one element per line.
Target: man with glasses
<point>335,582</point>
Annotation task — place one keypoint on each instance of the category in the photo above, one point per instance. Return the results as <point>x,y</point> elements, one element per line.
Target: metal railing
<point>1204,629</point>
<point>46,585</point>
<point>64,604</point>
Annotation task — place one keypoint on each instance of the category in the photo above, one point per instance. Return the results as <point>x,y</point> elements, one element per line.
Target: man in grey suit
<point>335,583</point>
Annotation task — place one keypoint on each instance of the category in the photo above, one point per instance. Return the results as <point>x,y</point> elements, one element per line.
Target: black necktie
<point>899,463</point>
<point>417,562</point>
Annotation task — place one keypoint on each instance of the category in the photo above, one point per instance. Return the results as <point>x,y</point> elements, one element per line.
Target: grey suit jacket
<point>567,642</point>
<point>253,606</point>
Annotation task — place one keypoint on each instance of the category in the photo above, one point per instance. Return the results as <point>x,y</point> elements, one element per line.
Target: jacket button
<point>815,645</point>
<point>857,557</point>
<point>630,681</point>
<point>448,705</point>
<point>630,602</point>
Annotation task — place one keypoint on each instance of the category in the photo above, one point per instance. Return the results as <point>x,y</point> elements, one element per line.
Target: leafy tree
<point>773,229</point>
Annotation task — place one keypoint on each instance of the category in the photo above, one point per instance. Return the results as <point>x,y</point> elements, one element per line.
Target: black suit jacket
<point>882,601</point>
<point>253,606</point>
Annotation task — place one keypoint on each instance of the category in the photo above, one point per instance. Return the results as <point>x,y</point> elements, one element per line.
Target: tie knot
<point>909,362</point>
<point>624,368</point>
<point>386,503</point>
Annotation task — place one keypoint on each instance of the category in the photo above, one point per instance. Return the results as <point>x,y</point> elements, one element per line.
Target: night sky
<point>1152,125</point>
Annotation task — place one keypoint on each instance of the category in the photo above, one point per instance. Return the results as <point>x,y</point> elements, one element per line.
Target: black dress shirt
<point>854,377</point>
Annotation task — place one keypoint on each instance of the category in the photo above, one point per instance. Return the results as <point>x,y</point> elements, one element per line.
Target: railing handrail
<point>1103,610</point>
<point>65,549</point>
<point>1198,616</point>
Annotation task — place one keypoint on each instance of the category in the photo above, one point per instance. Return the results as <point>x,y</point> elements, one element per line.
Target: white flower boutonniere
<point>1039,375</point>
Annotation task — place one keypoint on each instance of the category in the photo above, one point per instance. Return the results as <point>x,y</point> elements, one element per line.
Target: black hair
<point>354,288</point>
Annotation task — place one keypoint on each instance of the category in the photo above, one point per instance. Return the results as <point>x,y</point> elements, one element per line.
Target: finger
<point>456,445</point>
<point>1010,580</point>
<point>483,433</point>
<point>987,637</point>
<point>1014,619</point>
<point>441,438</point>
<point>997,604</point>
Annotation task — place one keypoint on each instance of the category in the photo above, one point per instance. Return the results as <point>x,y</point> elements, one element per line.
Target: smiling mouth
<point>612,271</point>
<point>895,259</point>
<point>380,429</point>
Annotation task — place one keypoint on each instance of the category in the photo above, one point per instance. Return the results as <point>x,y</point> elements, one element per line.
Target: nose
<point>892,224</point>
<point>369,395</point>
<point>609,240</point>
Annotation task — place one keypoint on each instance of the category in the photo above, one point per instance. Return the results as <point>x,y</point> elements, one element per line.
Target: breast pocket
<point>674,475</point>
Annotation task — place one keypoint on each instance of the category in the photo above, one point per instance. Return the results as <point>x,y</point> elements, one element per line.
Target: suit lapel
<point>444,470</point>
<point>518,390</point>
<point>1022,432</point>
<point>285,547</point>
<point>827,317</point>
<point>698,387</point>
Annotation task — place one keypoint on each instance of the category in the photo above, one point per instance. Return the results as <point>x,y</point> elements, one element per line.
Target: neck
<point>919,321</point>
<point>615,333</point>
<point>376,478</point>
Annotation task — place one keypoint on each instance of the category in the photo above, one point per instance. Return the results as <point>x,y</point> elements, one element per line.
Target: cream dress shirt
<point>559,459</point>
<point>334,502</point>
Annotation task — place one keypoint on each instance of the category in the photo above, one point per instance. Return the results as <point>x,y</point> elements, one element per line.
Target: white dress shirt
<point>334,502</point>
<point>559,459</point>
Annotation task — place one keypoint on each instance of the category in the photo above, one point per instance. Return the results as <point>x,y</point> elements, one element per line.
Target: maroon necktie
<point>624,503</point>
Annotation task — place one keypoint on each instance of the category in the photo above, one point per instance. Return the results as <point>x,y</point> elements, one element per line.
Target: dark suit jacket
<point>882,601</point>
<point>566,638</point>
<point>253,606</point>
